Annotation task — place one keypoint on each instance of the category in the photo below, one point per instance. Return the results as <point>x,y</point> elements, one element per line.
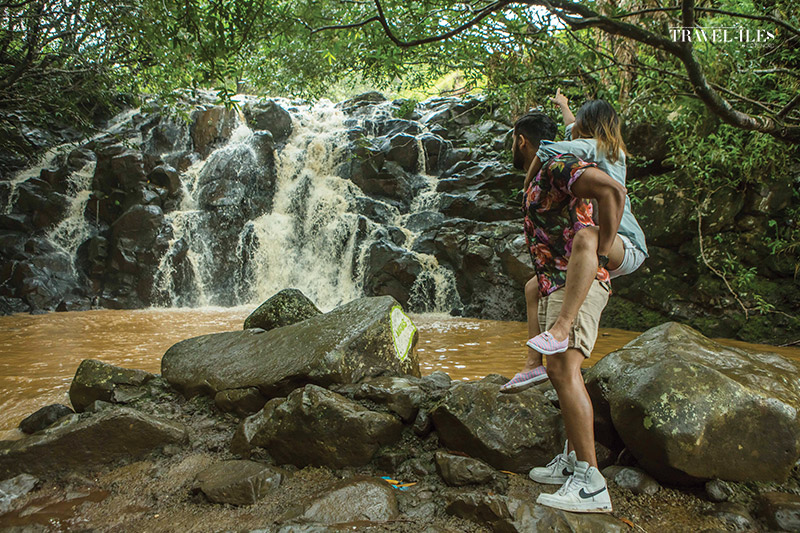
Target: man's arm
<point>610,195</point>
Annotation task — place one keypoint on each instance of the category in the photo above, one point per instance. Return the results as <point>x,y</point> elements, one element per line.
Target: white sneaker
<point>557,471</point>
<point>584,492</point>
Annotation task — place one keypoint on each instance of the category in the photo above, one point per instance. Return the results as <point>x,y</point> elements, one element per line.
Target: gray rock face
<point>14,488</point>
<point>238,482</point>
<point>509,431</point>
<point>44,417</point>
<point>354,500</point>
<point>501,513</point>
<point>400,394</point>
<point>352,341</point>
<point>458,470</point>
<point>315,426</point>
<point>633,479</point>
<point>80,442</point>
<point>690,409</point>
<point>285,308</point>
<point>781,510</point>
<point>96,380</point>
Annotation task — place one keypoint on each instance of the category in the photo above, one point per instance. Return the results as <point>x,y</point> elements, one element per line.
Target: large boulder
<point>367,336</point>
<point>690,409</point>
<point>287,307</point>
<point>315,426</point>
<point>96,380</point>
<point>80,442</point>
<point>509,431</point>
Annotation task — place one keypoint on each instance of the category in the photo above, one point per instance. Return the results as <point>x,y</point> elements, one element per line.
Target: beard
<point>519,160</point>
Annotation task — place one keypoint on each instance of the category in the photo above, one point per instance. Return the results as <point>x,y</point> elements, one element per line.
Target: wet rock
<point>211,127</point>
<point>79,442</point>
<point>436,149</point>
<point>403,149</point>
<point>315,426</point>
<point>44,417</point>
<point>358,499</point>
<point>242,402</point>
<point>14,488</point>
<point>478,205</point>
<point>436,383</point>
<point>391,270</point>
<point>140,224</point>
<point>238,482</point>
<point>781,510</point>
<point>633,479</point>
<point>501,513</point>
<point>287,307</point>
<point>390,460</point>
<point>734,515</point>
<point>128,169</point>
<point>365,99</point>
<point>95,380</point>
<point>269,116</point>
<point>423,424</point>
<point>242,442</point>
<point>400,394</point>
<point>345,345</point>
<point>672,390</point>
<point>718,490</point>
<point>457,470</point>
<point>167,177</point>
<point>509,431</point>
<point>239,178</point>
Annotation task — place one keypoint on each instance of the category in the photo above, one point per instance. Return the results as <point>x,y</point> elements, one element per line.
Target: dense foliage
<point>62,60</point>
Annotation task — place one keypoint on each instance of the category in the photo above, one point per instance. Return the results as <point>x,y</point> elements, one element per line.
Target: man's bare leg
<point>581,270</point>
<point>564,370</point>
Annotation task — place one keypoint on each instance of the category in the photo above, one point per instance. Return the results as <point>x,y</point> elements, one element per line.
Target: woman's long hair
<point>596,119</point>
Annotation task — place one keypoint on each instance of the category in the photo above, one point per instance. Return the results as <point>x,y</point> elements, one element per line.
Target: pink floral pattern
<point>552,218</point>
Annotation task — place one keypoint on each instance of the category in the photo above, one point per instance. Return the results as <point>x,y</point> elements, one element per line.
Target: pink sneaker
<point>523,380</point>
<point>547,344</point>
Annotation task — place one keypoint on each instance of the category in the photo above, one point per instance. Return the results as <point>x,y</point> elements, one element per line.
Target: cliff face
<point>346,200</point>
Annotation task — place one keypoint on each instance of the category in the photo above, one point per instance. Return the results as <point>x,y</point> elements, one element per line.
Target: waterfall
<point>313,238</point>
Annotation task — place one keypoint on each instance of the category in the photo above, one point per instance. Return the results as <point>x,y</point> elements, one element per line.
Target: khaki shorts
<point>584,330</point>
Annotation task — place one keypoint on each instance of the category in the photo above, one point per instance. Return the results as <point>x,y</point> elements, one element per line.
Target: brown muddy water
<point>39,354</point>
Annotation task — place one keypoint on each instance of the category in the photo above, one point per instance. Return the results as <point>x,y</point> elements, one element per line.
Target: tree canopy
<point>59,54</point>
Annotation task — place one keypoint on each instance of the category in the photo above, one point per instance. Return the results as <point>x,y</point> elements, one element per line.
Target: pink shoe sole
<point>523,380</point>
<point>547,344</point>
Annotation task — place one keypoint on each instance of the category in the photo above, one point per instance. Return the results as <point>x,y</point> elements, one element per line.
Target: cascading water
<point>308,240</point>
<point>254,216</point>
<point>313,238</point>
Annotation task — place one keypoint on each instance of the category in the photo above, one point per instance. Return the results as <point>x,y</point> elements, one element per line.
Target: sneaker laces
<point>554,461</point>
<point>565,488</point>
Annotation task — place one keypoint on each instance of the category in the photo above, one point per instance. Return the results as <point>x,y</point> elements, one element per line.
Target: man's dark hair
<point>536,127</point>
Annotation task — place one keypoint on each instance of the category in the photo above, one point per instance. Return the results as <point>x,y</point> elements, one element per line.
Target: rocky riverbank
<point>323,423</point>
<point>365,197</point>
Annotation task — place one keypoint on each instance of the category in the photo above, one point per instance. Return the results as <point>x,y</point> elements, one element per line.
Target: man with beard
<point>557,206</point>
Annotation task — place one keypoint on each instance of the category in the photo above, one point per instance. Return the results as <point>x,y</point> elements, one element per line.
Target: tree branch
<point>488,10</point>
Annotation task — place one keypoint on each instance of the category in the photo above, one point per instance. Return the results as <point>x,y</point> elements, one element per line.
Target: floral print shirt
<point>553,215</point>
